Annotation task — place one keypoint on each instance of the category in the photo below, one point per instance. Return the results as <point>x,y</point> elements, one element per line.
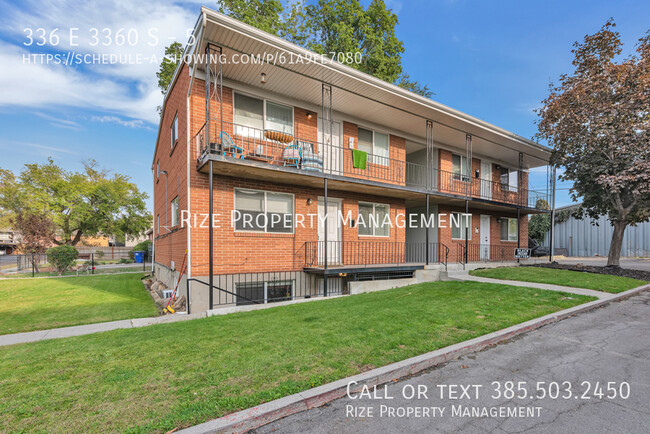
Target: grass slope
<point>576,279</point>
<point>174,375</point>
<point>38,304</point>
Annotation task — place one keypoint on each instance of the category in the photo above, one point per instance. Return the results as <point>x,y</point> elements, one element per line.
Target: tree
<point>413,86</point>
<point>77,203</point>
<point>62,258</point>
<point>173,53</point>
<point>597,120</point>
<point>263,14</point>
<point>539,224</point>
<point>35,233</point>
<point>335,26</point>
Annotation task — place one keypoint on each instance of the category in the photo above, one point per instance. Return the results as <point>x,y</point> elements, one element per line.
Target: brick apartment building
<point>296,135</point>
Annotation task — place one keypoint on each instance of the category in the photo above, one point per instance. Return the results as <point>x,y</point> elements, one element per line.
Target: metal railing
<point>310,155</point>
<point>367,253</point>
<point>269,287</point>
<point>484,252</point>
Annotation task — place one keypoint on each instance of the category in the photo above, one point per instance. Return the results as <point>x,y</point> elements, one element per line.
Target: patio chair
<point>229,147</point>
<point>310,159</point>
<point>292,156</point>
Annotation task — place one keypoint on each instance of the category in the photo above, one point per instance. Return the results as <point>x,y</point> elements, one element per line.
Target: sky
<point>493,60</point>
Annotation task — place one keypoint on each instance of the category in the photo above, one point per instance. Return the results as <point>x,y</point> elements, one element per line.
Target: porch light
<point>309,201</point>
<point>309,115</point>
<point>263,79</point>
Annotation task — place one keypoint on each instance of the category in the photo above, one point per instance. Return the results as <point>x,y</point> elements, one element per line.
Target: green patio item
<point>359,159</point>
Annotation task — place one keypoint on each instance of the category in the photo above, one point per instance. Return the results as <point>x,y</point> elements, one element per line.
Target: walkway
<point>66,332</point>
<point>464,275</point>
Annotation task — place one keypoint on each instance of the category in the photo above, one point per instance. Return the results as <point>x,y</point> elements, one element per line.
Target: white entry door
<point>333,231</point>
<point>486,177</point>
<point>330,149</point>
<point>485,237</point>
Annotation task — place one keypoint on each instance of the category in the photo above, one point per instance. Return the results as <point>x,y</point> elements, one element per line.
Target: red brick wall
<point>444,233</point>
<point>170,246</point>
<point>393,173</point>
<point>245,252</point>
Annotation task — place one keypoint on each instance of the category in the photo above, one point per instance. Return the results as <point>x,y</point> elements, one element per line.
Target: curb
<point>263,414</point>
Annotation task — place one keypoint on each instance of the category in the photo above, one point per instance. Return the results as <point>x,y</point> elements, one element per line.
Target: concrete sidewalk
<point>87,329</point>
<point>464,275</point>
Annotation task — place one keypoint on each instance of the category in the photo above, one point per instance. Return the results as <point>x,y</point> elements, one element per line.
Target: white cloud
<point>125,89</point>
<point>49,149</point>
<point>134,123</point>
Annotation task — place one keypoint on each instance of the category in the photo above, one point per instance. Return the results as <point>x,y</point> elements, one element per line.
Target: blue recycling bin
<point>139,256</point>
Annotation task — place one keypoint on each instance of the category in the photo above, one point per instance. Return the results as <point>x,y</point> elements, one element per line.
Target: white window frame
<point>462,217</point>
<point>374,212</point>
<point>245,130</point>
<point>265,285</point>
<point>508,223</point>
<point>509,186</point>
<point>265,231</point>
<point>374,158</point>
<point>174,130</point>
<point>463,176</point>
<point>175,212</point>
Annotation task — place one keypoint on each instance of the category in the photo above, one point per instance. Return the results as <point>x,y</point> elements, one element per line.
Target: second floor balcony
<point>325,156</point>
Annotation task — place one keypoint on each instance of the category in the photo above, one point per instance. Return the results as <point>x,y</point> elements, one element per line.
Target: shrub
<point>126,261</point>
<point>141,247</point>
<point>62,257</point>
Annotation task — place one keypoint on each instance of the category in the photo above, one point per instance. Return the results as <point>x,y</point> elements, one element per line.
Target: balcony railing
<point>310,155</point>
<point>368,253</point>
<point>484,252</point>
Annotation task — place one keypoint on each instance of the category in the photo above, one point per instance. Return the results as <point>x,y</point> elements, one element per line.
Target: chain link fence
<point>90,261</point>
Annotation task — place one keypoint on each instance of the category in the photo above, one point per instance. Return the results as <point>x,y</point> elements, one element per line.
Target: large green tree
<point>335,26</point>
<point>92,202</point>
<point>598,121</point>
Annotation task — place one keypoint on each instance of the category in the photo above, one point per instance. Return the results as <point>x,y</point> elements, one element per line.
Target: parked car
<point>536,249</point>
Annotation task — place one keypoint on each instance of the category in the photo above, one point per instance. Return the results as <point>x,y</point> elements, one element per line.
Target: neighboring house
<point>288,140</point>
<point>589,237</point>
<point>8,242</point>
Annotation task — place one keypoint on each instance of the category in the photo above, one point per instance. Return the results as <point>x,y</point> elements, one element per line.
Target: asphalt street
<point>609,346</point>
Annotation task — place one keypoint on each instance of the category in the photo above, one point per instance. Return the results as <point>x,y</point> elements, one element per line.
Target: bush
<point>126,261</point>
<point>62,257</point>
<point>141,247</point>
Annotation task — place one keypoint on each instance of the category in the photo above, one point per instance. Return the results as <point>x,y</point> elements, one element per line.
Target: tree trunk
<point>616,244</point>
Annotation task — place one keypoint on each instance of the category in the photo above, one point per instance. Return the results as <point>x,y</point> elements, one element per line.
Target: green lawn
<point>37,304</point>
<point>577,279</point>
<point>167,376</point>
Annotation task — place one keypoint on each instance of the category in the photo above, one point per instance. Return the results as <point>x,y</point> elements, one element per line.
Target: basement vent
<point>166,293</point>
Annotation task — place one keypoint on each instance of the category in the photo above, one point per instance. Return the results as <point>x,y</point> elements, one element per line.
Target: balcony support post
<point>429,181</point>
<point>520,180</point>
<point>518,229</point>
<point>552,234</point>
<point>327,128</point>
<point>213,89</point>
<point>468,169</point>
<point>426,236</point>
<point>325,250</point>
<point>210,236</point>
<point>468,223</point>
